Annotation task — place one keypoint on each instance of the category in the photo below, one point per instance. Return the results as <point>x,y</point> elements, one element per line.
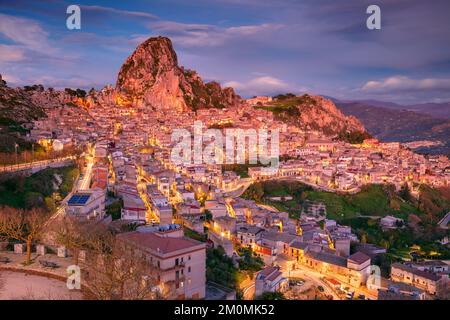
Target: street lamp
<point>15,148</point>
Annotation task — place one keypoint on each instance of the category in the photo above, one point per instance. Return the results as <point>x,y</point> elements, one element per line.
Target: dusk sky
<point>257,47</point>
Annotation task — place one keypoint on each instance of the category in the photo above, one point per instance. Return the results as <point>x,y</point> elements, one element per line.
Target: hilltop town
<point>183,212</point>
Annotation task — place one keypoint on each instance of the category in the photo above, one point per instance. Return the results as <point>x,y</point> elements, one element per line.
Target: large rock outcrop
<point>151,76</point>
<point>316,113</point>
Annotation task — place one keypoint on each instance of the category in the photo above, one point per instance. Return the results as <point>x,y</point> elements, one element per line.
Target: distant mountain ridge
<point>396,124</point>
<point>436,110</point>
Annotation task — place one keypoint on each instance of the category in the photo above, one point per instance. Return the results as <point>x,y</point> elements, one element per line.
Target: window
<point>177,261</point>
<point>189,269</point>
<point>189,257</point>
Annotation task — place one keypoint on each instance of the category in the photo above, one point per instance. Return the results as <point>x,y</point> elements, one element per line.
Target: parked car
<point>296,282</point>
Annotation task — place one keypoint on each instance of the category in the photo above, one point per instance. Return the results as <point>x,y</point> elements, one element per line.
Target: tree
<point>73,234</point>
<point>115,209</point>
<point>112,269</point>
<point>249,261</point>
<point>208,215</point>
<point>23,225</point>
<point>220,268</point>
<point>405,194</point>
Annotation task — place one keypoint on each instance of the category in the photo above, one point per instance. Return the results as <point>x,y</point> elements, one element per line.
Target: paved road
<point>314,278</point>
<point>34,165</point>
<point>238,191</point>
<point>318,277</point>
<point>85,182</point>
<point>249,292</point>
<point>444,221</point>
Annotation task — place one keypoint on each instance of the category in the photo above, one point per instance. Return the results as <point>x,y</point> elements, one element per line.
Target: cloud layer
<point>402,83</point>
<point>264,85</point>
<point>259,47</point>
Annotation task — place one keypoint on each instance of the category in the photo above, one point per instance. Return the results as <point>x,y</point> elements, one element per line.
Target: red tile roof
<point>161,245</point>
<point>359,257</point>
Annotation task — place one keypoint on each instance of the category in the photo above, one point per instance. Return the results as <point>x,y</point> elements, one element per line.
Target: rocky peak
<point>151,76</point>
<point>316,113</point>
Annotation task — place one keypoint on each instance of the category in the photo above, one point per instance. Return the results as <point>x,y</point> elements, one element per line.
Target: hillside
<point>316,113</point>
<point>362,210</point>
<point>400,125</point>
<point>435,110</point>
<point>41,189</point>
<point>17,109</point>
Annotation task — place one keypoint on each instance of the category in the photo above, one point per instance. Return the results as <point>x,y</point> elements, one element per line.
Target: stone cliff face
<point>319,112</point>
<point>151,76</point>
<point>17,111</point>
<point>17,104</point>
<point>316,113</point>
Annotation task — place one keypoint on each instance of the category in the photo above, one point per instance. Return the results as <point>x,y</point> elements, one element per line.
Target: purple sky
<point>258,47</point>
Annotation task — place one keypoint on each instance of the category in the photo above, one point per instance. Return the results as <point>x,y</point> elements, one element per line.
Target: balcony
<point>179,266</point>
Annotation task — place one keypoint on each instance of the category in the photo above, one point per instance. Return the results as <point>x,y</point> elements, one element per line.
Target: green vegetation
<point>361,212</point>
<point>115,209</point>
<point>372,200</point>
<point>435,203</point>
<point>240,169</point>
<point>262,191</point>
<point>194,235</point>
<point>203,95</point>
<point>78,92</point>
<point>12,132</point>
<point>220,268</point>
<point>42,189</point>
<point>208,215</point>
<point>249,261</point>
<point>288,108</point>
<point>284,96</point>
<point>283,110</point>
<point>402,243</point>
<point>404,193</point>
<point>271,296</point>
<point>354,137</point>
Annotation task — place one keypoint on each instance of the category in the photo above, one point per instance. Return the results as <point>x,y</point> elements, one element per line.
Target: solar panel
<point>83,199</point>
<point>74,199</point>
<point>79,199</point>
